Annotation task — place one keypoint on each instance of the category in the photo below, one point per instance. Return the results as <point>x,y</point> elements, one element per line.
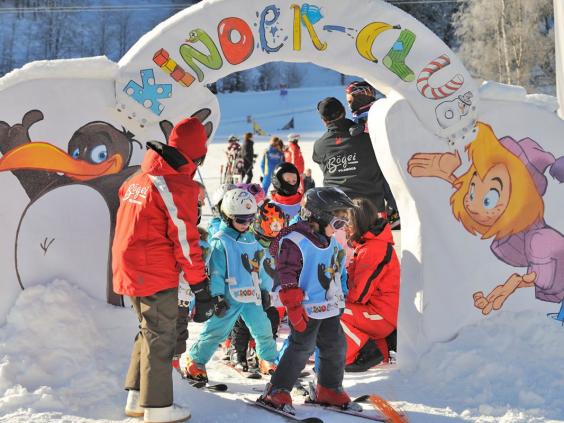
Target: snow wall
<point>71,132</point>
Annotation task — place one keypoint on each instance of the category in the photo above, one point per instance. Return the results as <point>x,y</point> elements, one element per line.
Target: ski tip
<point>392,415</point>
<point>221,387</point>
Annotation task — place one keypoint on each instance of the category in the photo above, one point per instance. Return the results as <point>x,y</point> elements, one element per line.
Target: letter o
<point>240,51</point>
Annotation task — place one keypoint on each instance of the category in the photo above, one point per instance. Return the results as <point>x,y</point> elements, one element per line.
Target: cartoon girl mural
<point>500,197</point>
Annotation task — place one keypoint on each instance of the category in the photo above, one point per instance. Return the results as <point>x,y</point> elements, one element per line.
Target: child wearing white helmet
<point>235,285</point>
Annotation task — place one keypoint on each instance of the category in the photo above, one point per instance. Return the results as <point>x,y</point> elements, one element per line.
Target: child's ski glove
<point>204,307</point>
<point>292,299</point>
<point>220,306</point>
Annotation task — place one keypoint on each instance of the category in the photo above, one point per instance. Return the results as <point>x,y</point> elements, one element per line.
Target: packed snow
<point>64,354</point>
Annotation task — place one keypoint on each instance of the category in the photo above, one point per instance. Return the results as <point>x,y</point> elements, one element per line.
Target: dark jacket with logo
<point>348,162</point>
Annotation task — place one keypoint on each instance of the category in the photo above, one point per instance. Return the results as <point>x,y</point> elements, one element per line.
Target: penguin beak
<point>45,156</point>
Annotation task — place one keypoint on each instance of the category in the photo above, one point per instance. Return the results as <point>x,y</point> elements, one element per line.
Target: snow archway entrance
<point>164,77</point>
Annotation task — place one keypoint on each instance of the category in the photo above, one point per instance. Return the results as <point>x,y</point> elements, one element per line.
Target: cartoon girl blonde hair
<point>525,205</point>
<point>500,196</point>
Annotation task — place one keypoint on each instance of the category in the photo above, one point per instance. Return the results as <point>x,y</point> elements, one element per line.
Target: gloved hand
<point>265,298</point>
<point>204,307</point>
<point>220,306</point>
<point>292,299</point>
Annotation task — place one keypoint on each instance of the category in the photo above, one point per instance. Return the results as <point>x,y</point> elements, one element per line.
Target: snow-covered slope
<point>63,356</point>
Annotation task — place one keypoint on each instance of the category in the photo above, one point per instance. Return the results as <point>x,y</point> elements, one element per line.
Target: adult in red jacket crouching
<point>156,237</point>
<point>373,280</point>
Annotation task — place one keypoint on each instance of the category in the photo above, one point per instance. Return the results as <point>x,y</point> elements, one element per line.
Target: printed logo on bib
<point>342,163</point>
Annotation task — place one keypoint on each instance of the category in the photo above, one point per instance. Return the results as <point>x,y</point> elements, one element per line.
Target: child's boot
<point>277,398</point>
<point>266,367</point>
<point>196,371</point>
<point>171,414</point>
<point>335,397</point>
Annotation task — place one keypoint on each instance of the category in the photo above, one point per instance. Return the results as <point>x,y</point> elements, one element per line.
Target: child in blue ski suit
<point>271,220</point>
<point>235,285</point>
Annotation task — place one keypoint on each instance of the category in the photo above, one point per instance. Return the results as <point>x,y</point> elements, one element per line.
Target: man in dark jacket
<point>248,158</point>
<point>346,156</point>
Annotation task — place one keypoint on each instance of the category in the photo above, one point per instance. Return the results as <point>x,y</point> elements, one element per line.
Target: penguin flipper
<point>323,280</point>
<point>246,263</point>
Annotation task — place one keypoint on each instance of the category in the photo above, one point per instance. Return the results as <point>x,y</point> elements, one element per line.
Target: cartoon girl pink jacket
<point>500,196</point>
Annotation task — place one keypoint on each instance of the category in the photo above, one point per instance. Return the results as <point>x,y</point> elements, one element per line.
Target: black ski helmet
<point>282,187</point>
<point>361,94</point>
<point>321,204</point>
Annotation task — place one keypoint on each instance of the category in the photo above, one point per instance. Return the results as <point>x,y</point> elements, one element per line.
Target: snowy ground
<point>63,354</point>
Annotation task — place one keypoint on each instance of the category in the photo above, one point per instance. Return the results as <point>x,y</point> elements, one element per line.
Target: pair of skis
<point>386,413</point>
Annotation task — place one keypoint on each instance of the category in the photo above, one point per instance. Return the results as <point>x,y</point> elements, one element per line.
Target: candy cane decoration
<point>445,90</point>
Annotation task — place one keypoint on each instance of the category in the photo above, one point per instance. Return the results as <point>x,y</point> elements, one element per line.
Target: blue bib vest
<point>243,266</point>
<point>320,278</point>
<point>290,209</point>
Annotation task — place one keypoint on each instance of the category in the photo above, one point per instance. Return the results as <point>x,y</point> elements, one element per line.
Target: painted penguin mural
<point>72,199</point>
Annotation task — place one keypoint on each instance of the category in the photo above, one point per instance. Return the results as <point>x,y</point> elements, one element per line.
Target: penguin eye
<point>99,154</point>
<point>76,153</point>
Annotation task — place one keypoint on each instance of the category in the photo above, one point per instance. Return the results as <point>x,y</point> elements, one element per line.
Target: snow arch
<point>164,77</point>
<point>373,39</point>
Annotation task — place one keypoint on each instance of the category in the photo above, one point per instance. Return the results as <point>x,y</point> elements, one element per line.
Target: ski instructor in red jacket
<point>156,238</point>
<point>371,305</point>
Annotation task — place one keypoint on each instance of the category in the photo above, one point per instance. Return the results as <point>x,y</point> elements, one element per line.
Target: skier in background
<point>270,159</point>
<point>234,168</point>
<point>286,193</point>
<point>308,180</point>
<point>249,157</point>
<point>293,154</point>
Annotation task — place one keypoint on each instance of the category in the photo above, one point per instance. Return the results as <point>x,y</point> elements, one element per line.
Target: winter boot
<point>277,398</point>
<point>335,397</point>
<point>172,414</point>
<point>266,367</point>
<point>196,371</point>
<point>240,363</point>
<point>368,356</point>
<point>132,407</point>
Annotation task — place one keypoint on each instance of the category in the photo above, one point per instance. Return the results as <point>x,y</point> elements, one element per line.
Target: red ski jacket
<point>293,154</point>
<point>374,273</point>
<point>156,234</point>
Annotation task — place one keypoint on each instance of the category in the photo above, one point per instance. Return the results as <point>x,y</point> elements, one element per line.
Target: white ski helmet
<point>238,203</point>
<point>219,194</point>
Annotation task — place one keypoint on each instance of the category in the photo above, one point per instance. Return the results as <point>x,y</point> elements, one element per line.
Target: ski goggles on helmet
<point>244,220</point>
<point>338,223</point>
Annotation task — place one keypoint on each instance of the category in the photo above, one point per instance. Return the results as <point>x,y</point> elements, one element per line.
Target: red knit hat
<point>189,137</point>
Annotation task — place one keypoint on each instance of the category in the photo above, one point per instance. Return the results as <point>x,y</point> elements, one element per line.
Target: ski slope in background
<point>64,355</point>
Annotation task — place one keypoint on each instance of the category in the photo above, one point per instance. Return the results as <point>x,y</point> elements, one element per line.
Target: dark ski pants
<point>328,336</point>
<point>240,335</point>
<point>150,369</point>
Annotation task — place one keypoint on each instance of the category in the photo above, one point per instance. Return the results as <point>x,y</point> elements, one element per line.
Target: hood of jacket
<point>155,164</point>
<point>380,232</point>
